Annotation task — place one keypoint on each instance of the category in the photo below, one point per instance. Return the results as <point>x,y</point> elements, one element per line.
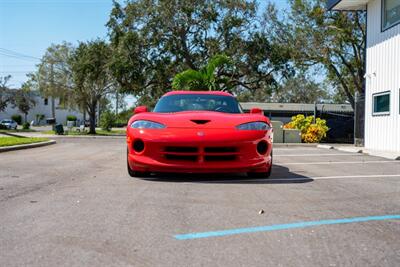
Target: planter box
<point>291,136</point>
<point>278,131</point>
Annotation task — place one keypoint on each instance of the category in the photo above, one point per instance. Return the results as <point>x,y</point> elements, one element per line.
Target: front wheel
<point>266,174</point>
<point>134,173</point>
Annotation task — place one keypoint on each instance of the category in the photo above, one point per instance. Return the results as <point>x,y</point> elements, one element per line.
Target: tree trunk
<point>92,117</point>
<point>26,117</point>
<point>92,126</point>
<point>53,108</point>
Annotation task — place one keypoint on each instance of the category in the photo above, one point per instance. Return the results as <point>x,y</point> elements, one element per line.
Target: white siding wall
<point>41,108</point>
<point>383,74</point>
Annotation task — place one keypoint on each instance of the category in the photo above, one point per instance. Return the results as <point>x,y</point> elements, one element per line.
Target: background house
<point>382,94</point>
<point>42,107</point>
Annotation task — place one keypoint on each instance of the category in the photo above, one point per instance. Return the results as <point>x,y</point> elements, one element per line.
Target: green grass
<point>98,132</point>
<point>12,141</point>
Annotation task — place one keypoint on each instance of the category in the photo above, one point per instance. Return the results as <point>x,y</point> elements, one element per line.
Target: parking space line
<point>340,162</point>
<point>287,179</point>
<point>276,227</point>
<point>318,155</point>
<point>306,178</point>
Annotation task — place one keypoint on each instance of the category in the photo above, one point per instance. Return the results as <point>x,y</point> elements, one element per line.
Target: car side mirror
<point>257,111</point>
<point>140,109</point>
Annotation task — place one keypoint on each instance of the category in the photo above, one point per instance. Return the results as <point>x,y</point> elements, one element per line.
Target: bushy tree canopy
<point>154,40</point>
<point>318,38</point>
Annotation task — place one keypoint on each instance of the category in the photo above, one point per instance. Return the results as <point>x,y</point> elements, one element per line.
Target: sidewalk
<point>354,149</point>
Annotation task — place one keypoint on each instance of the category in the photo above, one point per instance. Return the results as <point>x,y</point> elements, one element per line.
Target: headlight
<point>142,124</point>
<point>257,125</point>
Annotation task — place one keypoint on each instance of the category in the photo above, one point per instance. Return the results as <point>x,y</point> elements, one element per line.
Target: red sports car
<point>199,132</point>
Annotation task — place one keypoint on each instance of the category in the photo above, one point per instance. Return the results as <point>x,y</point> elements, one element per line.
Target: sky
<point>28,27</point>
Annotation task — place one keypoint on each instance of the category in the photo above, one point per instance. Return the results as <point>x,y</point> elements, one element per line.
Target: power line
<point>14,54</point>
<point>11,52</point>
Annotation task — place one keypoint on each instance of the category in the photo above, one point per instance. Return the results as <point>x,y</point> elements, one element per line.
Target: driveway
<point>73,204</point>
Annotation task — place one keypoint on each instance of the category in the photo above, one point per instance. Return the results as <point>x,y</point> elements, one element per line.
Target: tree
<point>5,95</point>
<point>23,100</point>
<point>91,76</point>
<point>319,38</point>
<point>205,78</point>
<point>300,89</point>
<point>53,76</point>
<point>154,40</point>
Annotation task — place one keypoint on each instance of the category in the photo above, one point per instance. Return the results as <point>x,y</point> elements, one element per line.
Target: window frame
<point>383,28</point>
<point>385,113</point>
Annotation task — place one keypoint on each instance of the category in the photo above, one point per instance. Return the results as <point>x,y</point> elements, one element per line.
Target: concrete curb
<point>89,136</point>
<point>294,145</point>
<point>75,136</point>
<point>350,149</point>
<point>325,146</point>
<point>11,134</point>
<point>382,154</point>
<point>353,149</point>
<point>26,146</point>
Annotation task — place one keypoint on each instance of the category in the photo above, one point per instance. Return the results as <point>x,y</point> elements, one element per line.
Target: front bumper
<point>199,151</point>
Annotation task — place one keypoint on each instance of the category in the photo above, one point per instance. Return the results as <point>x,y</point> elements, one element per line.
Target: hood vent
<point>200,121</point>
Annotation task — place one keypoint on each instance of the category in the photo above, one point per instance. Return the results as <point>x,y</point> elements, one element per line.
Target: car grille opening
<point>199,154</point>
<point>138,145</point>
<point>200,121</point>
<point>181,149</point>
<point>220,158</point>
<point>220,149</point>
<point>262,147</point>
<point>181,157</point>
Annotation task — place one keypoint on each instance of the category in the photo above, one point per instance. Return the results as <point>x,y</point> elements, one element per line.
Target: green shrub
<point>120,123</point>
<point>123,118</point>
<point>26,126</point>
<point>310,132</point>
<point>39,118</point>
<point>107,120</point>
<point>17,118</point>
<point>3,127</point>
<point>71,118</point>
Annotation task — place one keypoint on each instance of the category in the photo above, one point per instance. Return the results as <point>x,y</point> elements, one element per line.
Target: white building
<point>382,95</point>
<point>42,107</point>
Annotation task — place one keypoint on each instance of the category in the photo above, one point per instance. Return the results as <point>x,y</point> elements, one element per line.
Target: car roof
<point>221,93</point>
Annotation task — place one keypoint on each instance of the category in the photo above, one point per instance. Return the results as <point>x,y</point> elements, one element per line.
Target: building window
<point>46,101</point>
<point>381,103</point>
<point>390,13</point>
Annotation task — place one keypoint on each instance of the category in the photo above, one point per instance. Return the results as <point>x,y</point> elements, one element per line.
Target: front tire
<point>134,173</point>
<point>264,175</point>
<point>260,175</point>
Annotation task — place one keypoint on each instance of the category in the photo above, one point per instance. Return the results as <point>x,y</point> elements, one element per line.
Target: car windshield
<point>6,121</point>
<point>198,102</point>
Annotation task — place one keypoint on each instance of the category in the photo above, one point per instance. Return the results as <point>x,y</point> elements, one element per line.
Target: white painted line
<point>316,155</point>
<point>339,162</point>
<point>331,177</point>
<point>305,178</point>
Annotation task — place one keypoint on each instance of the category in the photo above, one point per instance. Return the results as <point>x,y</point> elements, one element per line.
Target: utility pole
<point>53,110</point>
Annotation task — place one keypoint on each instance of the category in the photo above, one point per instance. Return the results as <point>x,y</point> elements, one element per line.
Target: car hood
<point>200,119</point>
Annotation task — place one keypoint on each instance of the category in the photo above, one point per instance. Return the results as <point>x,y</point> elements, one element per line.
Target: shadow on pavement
<point>280,175</point>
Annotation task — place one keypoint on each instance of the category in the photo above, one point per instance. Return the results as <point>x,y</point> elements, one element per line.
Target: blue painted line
<point>276,227</point>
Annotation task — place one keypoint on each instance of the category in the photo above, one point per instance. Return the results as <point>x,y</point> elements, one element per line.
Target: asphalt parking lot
<point>73,204</point>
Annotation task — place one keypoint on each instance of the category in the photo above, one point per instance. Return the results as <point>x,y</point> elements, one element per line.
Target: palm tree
<point>204,79</point>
